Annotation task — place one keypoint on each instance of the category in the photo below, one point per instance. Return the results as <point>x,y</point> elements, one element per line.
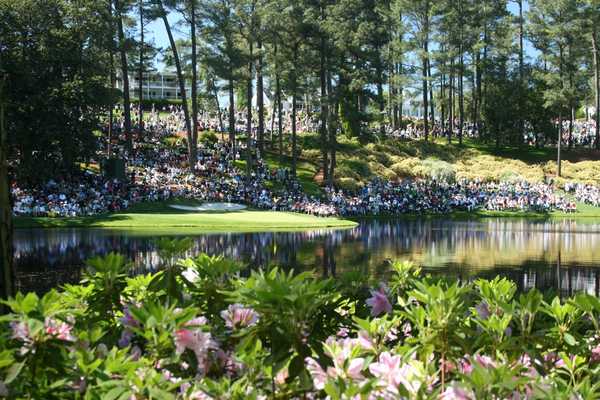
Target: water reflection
<point>557,255</point>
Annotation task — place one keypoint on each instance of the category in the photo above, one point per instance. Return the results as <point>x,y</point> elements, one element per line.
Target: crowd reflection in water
<point>549,255</point>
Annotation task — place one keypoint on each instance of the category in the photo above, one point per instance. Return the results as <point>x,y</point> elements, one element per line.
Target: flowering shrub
<point>203,331</point>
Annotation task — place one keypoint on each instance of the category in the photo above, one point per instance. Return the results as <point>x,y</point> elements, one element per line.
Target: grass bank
<point>161,216</point>
<point>393,159</point>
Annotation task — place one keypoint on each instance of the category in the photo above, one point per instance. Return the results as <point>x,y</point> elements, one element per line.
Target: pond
<point>557,255</point>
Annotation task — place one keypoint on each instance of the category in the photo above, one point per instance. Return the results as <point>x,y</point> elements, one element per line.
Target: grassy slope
<point>161,216</point>
<point>393,159</point>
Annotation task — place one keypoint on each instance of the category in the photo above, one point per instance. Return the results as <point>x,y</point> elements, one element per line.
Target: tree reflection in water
<point>550,255</point>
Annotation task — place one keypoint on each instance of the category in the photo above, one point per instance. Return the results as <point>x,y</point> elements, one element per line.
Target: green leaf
<point>570,340</point>
<point>13,372</point>
<point>296,366</point>
<point>114,393</point>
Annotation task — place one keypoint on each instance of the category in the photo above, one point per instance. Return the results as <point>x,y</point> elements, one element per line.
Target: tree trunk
<point>478,92</point>
<point>249,91</point>
<point>425,65</point>
<point>425,99</point>
<point>232,117</point>
<point>213,88</point>
<point>194,92</point>
<point>260,101</point>
<point>332,128</point>
<point>125,77</point>
<point>181,81</point>
<point>141,70</point>
<point>324,110</point>
<point>7,272</point>
<point>112,80</point>
<point>400,100</point>
<point>451,102</point>
<point>521,71</point>
<point>294,95</point>
<point>571,121</point>
<point>596,51</point>
<point>279,116</point>
<point>558,145</point>
<point>461,98</point>
<point>431,103</point>
<point>443,98</point>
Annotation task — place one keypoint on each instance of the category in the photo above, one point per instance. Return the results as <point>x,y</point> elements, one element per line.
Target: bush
<point>208,138</point>
<point>200,329</point>
<point>439,170</point>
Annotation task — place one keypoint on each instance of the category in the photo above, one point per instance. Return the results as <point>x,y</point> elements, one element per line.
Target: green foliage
<point>107,277</point>
<point>283,335</point>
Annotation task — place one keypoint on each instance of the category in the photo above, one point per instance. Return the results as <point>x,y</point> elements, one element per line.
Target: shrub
<point>275,334</point>
<point>439,170</point>
<point>208,138</point>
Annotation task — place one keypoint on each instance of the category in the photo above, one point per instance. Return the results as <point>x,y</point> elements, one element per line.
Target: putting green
<point>210,221</point>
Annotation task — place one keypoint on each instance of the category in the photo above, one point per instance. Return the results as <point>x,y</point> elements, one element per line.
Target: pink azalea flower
<point>20,331</point>
<point>455,392</point>
<point>136,353</point>
<point>237,316</point>
<point>595,357</point>
<point>379,302</point>
<point>485,361</point>
<point>60,330</point>
<point>465,366</point>
<point>198,321</point>
<point>365,341</point>
<point>195,340</point>
<point>319,376</point>
<point>407,329</point>
<point>393,373</point>
<point>342,332</point>
<point>281,376</point>
<point>355,367</point>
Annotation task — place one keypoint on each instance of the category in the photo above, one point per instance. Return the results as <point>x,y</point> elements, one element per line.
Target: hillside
<point>395,159</point>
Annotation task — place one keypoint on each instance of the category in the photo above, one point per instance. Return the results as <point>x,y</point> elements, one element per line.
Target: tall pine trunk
<point>431,103</point>
<point>332,128</point>
<point>260,101</point>
<point>461,99</point>
<point>194,92</point>
<point>231,116</point>
<point>181,81</point>
<point>294,99</point>
<point>596,51</point>
<point>425,99</point>
<point>424,67</point>
<point>124,77</point>
<point>7,271</point>
<point>249,91</point>
<point>324,110</point>
<point>112,79</point>
<point>451,102</point>
<point>141,69</point>
<point>279,116</point>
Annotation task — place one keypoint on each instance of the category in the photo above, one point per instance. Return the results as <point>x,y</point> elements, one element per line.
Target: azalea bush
<point>206,328</point>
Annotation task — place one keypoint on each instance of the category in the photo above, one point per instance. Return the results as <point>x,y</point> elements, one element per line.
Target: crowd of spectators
<point>159,172</point>
<point>587,194</point>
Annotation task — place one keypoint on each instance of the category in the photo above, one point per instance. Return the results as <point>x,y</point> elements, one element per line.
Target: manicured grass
<point>161,216</point>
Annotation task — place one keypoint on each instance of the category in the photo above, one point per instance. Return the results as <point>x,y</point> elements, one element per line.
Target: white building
<point>158,85</point>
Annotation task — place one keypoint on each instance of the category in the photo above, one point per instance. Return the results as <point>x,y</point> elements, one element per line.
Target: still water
<point>562,256</point>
